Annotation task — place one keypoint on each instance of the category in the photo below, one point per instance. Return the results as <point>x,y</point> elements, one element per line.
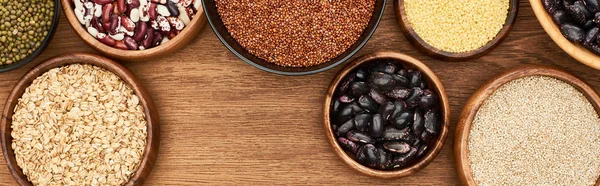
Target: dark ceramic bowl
<point>39,50</point>
<point>217,25</point>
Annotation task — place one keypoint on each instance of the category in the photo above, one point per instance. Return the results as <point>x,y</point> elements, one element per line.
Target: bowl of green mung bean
<point>26,29</point>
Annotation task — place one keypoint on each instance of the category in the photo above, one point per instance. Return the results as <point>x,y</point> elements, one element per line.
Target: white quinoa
<point>457,25</point>
<point>535,130</point>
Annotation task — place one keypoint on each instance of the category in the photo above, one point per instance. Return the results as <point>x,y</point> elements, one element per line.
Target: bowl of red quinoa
<point>294,37</point>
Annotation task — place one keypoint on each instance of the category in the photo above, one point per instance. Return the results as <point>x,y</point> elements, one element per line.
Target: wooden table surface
<point>225,122</point>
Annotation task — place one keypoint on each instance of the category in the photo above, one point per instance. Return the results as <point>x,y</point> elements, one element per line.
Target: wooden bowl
<point>422,46</point>
<point>461,138</point>
<point>434,84</point>
<point>220,30</point>
<point>151,150</point>
<point>577,51</point>
<point>43,45</point>
<point>186,36</point>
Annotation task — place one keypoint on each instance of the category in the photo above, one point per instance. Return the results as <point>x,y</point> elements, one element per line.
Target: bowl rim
<point>42,47</point>
<point>239,55</point>
<point>152,119</point>
<point>576,51</point>
<point>433,52</point>
<point>407,62</point>
<point>474,103</point>
<point>180,41</point>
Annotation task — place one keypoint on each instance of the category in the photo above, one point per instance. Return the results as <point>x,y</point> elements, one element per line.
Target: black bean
<point>597,18</point>
<point>391,133</point>
<point>335,106</point>
<point>561,17</point>
<point>405,159</point>
<point>368,155</point>
<point>579,12</point>
<point>416,142</point>
<point>591,36</point>
<point>414,99</point>
<point>589,24</point>
<point>360,137</point>
<point>172,7</point>
<point>426,136</point>
<point>418,125</point>
<point>386,110</point>
<point>361,74</point>
<point>356,107</point>
<point>592,5</point>
<point>422,150</point>
<point>403,119</point>
<point>415,79</point>
<point>552,5</point>
<point>399,147</point>
<point>376,127</point>
<point>388,67</point>
<point>362,121</point>
<point>385,159</point>
<point>359,88</point>
<point>402,72</point>
<point>428,100</point>
<point>432,124</point>
<point>346,99</point>
<point>399,93</point>
<point>348,145</point>
<point>423,85</point>
<point>345,113</point>
<point>378,97</point>
<point>401,80</point>
<point>381,81</point>
<point>368,103</point>
<point>344,128</point>
<point>567,3</point>
<point>399,107</point>
<point>346,82</point>
<point>572,32</point>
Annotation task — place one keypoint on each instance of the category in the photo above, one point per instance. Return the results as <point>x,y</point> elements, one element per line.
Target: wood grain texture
<point>467,116</point>
<point>163,50</point>
<point>224,122</point>
<point>435,85</point>
<point>420,44</point>
<point>576,50</point>
<point>153,129</point>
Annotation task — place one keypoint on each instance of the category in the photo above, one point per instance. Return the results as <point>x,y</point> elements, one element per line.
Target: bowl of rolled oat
<point>294,37</point>
<point>79,119</point>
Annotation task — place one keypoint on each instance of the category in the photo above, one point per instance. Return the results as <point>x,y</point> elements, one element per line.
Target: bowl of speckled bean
<point>294,37</point>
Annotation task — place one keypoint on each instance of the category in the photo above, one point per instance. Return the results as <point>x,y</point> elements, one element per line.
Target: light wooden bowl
<point>577,51</point>
<point>220,30</point>
<point>151,150</point>
<point>461,138</point>
<point>434,84</point>
<point>422,46</point>
<point>186,36</point>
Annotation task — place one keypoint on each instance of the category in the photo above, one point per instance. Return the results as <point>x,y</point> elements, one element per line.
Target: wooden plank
<point>225,122</point>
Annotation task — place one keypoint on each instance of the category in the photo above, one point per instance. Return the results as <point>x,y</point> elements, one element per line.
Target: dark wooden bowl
<point>151,150</point>
<point>39,50</point>
<point>461,138</point>
<point>422,46</point>
<point>214,19</point>
<point>186,36</point>
<point>577,51</point>
<point>434,84</point>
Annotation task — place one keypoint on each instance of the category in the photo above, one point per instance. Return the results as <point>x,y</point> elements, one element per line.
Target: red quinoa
<point>296,33</point>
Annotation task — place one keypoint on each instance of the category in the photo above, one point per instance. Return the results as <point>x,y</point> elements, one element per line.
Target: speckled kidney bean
<point>135,24</point>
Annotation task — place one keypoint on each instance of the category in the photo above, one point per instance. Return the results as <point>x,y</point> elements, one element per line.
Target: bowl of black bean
<point>574,25</point>
<point>386,115</point>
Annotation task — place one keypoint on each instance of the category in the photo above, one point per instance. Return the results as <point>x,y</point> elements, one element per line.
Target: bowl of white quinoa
<point>533,125</point>
<point>79,119</point>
